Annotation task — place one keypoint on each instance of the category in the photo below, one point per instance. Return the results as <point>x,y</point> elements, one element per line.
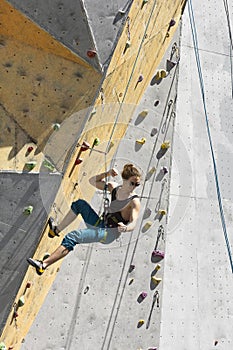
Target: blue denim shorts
<point>89,235</point>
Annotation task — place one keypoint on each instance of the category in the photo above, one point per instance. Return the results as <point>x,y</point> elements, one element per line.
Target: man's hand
<point>112,172</point>
<point>121,227</point>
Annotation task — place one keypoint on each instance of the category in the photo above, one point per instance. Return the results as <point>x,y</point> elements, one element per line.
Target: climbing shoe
<point>52,228</point>
<point>38,264</point>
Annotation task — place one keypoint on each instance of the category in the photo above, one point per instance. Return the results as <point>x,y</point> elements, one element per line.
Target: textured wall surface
<point>107,315</point>
<point>20,233</point>
<point>53,83</point>
<point>197,304</point>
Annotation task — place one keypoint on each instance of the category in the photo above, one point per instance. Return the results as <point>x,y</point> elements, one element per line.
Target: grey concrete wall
<point>20,233</point>
<point>197,304</point>
<point>79,25</point>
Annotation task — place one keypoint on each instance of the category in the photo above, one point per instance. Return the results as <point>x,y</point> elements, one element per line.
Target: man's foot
<point>38,264</point>
<point>53,231</point>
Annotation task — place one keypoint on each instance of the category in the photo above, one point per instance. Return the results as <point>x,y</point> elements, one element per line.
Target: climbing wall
<point>197,305</point>
<point>112,295</point>
<point>24,211</point>
<point>54,83</point>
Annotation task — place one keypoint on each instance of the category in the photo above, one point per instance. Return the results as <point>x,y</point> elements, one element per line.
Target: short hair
<point>130,170</point>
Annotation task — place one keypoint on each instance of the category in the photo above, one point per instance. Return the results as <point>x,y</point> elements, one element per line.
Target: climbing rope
<point>198,62</point>
<point>231,41</point>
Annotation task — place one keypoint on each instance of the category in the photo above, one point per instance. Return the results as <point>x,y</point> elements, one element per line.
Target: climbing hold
<point>215,342</point>
<point>144,2</point>
<point>91,53</point>
<point>158,253</point>
<point>86,289</point>
<point>165,170</point>
<point>28,285</point>
<point>152,349</point>
<point>140,323</point>
<point>131,281</point>
<point>150,173</point>
<point>156,103</point>
<point>85,146</point>
<point>48,165</point>
<point>162,212</point>
<point>93,111</point>
<point>170,64</point>
<point>143,295</point>
<point>154,131</point>
<point>172,23</point>
<point>141,141</point>
<point>127,44</point>
<point>156,280</point>
<point>96,142</point>
<point>46,255</point>
<point>162,73</point>
<point>30,165</point>
<point>140,78</point>
<point>78,161</point>
<point>144,113</point>
<point>28,210</point>
<point>30,149</point>
<point>131,268</point>
<point>2,346</point>
<point>147,225</point>
<point>157,267</point>
<point>56,126</point>
<point>21,301</point>
<point>165,145</point>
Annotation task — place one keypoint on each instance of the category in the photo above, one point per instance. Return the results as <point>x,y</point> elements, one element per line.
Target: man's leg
<point>58,254</point>
<point>78,207</point>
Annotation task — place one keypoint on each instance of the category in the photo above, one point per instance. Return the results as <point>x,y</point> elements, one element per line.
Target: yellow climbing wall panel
<point>120,94</point>
<point>41,83</point>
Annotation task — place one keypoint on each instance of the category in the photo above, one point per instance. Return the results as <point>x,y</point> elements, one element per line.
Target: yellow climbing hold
<point>156,280</point>
<point>165,145</point>
<point>141,322</point>
<point>162,212</point>
<point>144,113</point>
<point>141,141</point>
<point>157,267</point>
<point>147,225</point>
<point>162,73</point>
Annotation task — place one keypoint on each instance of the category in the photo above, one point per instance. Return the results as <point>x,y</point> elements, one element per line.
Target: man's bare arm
<point>99,182</point>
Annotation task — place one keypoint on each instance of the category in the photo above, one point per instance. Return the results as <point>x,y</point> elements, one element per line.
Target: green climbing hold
<point>56,126</point>
<point>96,142</point>
<point>21,301</point>
<point>28,210</point>
<point>30,165</point>
<point>48,165</point>
<point>2,346</point>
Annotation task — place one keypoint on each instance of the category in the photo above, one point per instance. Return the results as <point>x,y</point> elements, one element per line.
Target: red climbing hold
<point>30,149</point>
<point>91,53</point>
<point>78,161</point>
<point>85,146</point>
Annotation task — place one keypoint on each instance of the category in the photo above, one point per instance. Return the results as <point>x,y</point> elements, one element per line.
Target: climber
<point>120,216</point>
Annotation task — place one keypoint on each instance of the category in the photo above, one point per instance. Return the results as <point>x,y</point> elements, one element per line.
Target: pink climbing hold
<point>143,295</point>
<point>158,253</point>
<point>91,53</point>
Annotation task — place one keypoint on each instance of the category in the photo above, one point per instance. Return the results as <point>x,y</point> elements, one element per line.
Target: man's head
<point>131,174</point>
